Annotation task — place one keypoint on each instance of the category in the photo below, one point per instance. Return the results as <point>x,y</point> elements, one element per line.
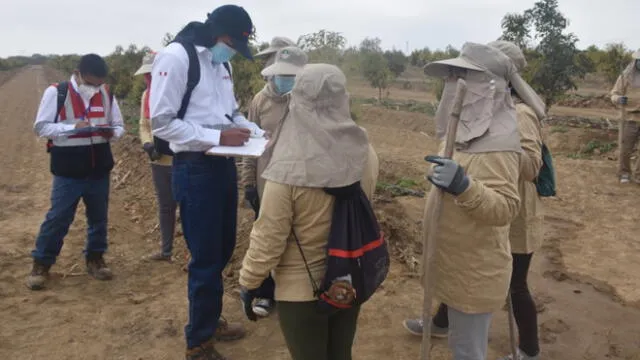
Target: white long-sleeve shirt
<point>211,100</point>
<point>45,126</point>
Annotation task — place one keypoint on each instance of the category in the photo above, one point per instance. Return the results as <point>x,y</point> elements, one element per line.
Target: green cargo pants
<point>313,336</point>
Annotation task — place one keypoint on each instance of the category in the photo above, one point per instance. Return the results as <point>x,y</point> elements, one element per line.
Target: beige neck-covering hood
<point>318,144</point>
<point>488,118</point>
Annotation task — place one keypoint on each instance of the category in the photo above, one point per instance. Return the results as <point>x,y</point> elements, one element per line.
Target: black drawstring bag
<point>357,255</point>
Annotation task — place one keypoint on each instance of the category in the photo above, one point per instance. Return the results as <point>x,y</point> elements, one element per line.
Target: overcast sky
<point>74,26</point>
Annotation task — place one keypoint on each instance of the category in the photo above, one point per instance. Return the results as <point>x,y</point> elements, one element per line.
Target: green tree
<point>122,65</point>
<point>555,62</point>
<point>371,45</point>
<point>397,62</point>
<point>516,28</point>
<point>322,39</point>
<point>613,61</point>
<point>374,65</point>
<point>64,63</point>
<point>247,80</point>
<point>323,46</point>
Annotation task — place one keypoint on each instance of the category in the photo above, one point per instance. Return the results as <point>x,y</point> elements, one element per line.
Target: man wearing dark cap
<point>204,186</point>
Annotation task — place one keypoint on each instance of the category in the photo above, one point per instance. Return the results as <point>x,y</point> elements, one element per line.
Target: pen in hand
<point>253,132</point>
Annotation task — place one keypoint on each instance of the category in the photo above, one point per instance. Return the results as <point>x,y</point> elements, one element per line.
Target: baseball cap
<point>289,61</point>
<point>235,22</point>
<point>147,63</point>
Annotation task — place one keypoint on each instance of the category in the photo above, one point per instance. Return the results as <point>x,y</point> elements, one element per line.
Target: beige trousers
<point>630,136</point>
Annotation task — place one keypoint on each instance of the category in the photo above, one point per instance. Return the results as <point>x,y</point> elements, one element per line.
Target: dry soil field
<point>585,278</point>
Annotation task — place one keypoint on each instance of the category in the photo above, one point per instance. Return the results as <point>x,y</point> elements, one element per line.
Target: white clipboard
<point>253,148</point>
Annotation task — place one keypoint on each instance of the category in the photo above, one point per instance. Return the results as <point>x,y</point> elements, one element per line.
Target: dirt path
<point>141,313</point>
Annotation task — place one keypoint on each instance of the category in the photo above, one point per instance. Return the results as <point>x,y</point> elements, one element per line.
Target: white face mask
<point>87,91</point>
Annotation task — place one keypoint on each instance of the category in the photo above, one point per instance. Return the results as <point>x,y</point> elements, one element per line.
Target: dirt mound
<point>581,143</point>
<point>587,101</point>
<point>132,176</point>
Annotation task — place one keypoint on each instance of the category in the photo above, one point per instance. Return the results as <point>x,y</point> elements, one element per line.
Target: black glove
<point>247,297</point>
<point>448,175</point>
<point>151,151</point>
<point>252,198</point>
<point>623,100</point>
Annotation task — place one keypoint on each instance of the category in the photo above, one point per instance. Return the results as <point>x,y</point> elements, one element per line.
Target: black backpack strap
<point>193,76</point>
<point>316,289</point>
<point>63,88</point>
<point>228,67</point>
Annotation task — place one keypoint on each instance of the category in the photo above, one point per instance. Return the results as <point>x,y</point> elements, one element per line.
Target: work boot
<point>205,351</point>
<point>39,276</point>
<point>416,326</point>
<point>229,331</point>
<point>263,307</point>
<point>97,268</point>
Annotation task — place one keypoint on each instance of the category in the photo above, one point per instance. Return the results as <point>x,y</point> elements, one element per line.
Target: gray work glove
<point>448,175</point>
<point>623,100</point>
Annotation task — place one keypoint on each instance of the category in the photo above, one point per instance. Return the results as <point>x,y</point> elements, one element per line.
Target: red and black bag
<point>357,255</point>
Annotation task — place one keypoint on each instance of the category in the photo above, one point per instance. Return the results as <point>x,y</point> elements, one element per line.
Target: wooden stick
<point>512,327</point>
<point>429,241</point>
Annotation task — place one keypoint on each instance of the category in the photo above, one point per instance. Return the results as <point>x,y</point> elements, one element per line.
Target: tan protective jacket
<point>630,78</point>
<point>306,210</point>
<point>472,265</point>
<point>526,231</point>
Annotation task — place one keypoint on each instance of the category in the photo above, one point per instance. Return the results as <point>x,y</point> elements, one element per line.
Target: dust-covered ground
<point>585,277</point>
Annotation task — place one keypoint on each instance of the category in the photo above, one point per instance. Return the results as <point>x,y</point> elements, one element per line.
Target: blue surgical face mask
<point>221,53</point>
<point>283,83</point>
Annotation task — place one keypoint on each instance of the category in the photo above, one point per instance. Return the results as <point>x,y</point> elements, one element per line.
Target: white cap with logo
<point>288,61</point>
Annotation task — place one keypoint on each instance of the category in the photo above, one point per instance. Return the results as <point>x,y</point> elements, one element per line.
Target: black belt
<point>197,155</point>
<point>189,155</point>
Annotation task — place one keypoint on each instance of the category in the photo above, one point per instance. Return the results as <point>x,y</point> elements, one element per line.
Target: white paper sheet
<point>253,148</point>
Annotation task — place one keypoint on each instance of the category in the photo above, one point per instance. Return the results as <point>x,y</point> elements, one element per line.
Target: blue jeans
<point>65,196</point>
<point>205,187</point>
